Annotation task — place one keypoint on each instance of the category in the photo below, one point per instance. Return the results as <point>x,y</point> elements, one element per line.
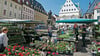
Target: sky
<point>56,5</point>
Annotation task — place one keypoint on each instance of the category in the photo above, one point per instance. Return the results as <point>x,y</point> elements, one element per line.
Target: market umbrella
<point>77,20</point>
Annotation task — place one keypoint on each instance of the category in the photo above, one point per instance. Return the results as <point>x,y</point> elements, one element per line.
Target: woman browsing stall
<point>3,39</point>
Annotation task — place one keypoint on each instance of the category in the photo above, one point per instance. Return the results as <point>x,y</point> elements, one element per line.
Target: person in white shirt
<point>3,39</point>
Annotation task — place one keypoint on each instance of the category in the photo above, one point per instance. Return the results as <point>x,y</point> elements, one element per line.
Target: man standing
<point>83,35</point>
<point>76,31</point>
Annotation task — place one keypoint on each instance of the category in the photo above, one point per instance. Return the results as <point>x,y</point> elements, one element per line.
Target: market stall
<point>18,32</point>
<point>75,20</point>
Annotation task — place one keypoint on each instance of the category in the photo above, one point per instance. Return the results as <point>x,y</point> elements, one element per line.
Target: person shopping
<point>3,39</point>
<point>83,35</point>
<point>76,31</point>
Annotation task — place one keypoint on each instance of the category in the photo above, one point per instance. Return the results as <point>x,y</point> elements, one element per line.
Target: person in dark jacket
<point>83,35</point>
<point>76,31</point>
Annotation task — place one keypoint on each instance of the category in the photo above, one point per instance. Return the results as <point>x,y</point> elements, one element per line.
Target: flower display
<point>61,47</point>
<point>18,50</point>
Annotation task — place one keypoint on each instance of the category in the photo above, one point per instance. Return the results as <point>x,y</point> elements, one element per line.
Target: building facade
<point>92,11</point>
<point>69,10</point>
<point>39,12</point>
<point>10,9</point>
<point>97,12</point>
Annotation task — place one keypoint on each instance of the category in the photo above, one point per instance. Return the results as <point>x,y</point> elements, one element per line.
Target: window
<point>19,8</point>
<point>11,5</point>
<point>23,16</point>
<point>69,9</point>
<point>15,15</point>
<point>27,3</point>
<point>15,6</point>
<point>19,15</point>
<point>23,0</point>
<point>62,10</point>
<point>28,17</point>
<point>24,8</point>
<point>4,13</point>
<point>19,1</point>
<point>69,4</point>
<point>75,9</point>
<point>72,4</point>
<point>72,9</point>
<point>5,2</point>
<point>10,13</point>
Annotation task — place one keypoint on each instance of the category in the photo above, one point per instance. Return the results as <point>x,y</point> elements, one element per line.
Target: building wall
<point>96,14</point>
<point>8,10</point>
<point>27,12</point>
<point>89,16</point>
<point>69,10</point>
<point>40,16</point>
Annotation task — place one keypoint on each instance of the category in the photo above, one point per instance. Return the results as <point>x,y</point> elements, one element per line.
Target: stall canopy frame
<point>77,20</point>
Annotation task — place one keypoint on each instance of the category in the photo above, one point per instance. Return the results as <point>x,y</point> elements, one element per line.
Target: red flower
<point>9,49</point>
<point>39,52</point>
<point>26,50</point>
<point>19,46</point>
<point>15,53</point>
<point>16,44</point>
<point>34,49</point>
<point>49,52</point>
<point>6,48</point>
<point>19,53</point>
<point>35,52</point>
<point>98,48</point>
<point>72,48</point>
<point>57,53</point>
<point>29,48</point>
<point>22,47</point>
<point>9,46</point>
<point>25,47</point>
<point>9,53</point>
<point>13,49</point>
<point>4,55</point>
<point>32,54</point>
<point>0,54</point>
<point>28,53</point>
<point>53,53</point>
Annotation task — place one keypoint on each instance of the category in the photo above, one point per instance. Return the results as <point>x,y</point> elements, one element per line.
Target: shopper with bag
<point>3,39</point>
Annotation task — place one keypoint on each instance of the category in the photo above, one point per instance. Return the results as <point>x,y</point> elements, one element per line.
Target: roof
<point>37,6</point>
<point>97,6</point>
<point>91,9</point>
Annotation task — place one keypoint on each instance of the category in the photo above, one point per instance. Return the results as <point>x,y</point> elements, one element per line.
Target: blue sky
<point>55,5</point>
